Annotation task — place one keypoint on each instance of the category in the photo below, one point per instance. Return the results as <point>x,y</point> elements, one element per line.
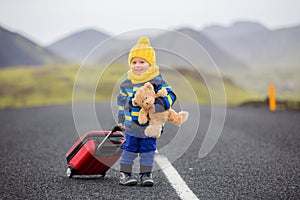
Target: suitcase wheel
<point>103,174</point>
<point>70,172</point>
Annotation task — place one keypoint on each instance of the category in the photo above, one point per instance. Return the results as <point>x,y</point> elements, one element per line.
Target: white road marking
<point>174,178</point>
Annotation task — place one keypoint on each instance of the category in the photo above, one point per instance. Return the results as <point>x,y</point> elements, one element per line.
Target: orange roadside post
<point>272,99</point>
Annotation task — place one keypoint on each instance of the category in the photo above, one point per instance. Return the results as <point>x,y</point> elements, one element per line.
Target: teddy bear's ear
<point>149,85</point>
<point>134,103</point>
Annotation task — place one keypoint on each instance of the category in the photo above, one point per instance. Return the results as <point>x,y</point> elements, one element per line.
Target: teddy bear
<point>144,98</point>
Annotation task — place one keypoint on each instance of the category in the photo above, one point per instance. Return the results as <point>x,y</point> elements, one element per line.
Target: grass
<point>286,80</point>
<point>52,85</point>
<point>32,86</point>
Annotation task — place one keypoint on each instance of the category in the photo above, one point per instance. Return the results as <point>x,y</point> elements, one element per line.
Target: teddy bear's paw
<point>153,131</point>
<point>143,120</point>
<point>157,135</point>
<point>162,92</point>
<point>184,116</point>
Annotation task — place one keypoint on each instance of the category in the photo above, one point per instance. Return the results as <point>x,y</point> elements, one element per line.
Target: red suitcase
<point>95,152</point>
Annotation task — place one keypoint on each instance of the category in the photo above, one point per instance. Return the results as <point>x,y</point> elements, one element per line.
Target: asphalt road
<point>256,157</point>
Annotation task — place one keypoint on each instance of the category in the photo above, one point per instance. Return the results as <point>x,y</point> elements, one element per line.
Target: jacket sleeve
<point>121,101</point>
<point>165,103</point>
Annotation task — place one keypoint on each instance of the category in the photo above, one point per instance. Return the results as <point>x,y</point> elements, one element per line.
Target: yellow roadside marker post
<point>272,100</point>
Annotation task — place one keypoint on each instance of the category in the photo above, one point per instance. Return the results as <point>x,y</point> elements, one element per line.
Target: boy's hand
<point>121,125</point>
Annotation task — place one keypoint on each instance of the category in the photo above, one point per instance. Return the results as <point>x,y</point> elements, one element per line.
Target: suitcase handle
<point>114,129</point>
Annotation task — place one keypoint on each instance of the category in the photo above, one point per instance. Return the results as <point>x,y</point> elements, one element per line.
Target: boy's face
<point>139,65</point>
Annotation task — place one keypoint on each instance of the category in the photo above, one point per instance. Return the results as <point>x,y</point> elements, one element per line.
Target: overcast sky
<point>46,21</point>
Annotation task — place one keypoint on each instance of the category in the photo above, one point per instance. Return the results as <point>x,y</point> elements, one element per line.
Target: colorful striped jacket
<point>128,114</point>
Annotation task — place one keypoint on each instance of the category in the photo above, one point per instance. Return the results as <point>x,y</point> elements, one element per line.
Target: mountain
<point>258,46</point>
<point>178,48</point>
<point>18,50</point>
<point>237,29</point>
<point>115,49</point>
<point>78,45</point>
<point>221,58</point>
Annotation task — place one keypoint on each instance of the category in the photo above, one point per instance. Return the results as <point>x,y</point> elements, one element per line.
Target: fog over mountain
<point>78,45</point>
<point>72,47</point>
<point>241,45</point>
<point>257,46</point>
<point>235,30</point>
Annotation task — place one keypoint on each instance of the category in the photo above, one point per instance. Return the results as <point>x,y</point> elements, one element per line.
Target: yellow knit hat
<point>143,50</point>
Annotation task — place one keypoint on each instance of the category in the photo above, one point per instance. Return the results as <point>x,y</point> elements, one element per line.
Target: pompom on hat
<point>143,50</point>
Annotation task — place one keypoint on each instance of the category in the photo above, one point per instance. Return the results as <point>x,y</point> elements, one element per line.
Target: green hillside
<point>51,85</point>
<point>286,79</point>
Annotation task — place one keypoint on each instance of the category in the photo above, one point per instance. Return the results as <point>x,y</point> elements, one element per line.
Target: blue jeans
<point>133,146</point>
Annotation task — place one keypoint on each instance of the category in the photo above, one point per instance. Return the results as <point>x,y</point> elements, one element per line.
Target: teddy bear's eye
<point>146,97</point>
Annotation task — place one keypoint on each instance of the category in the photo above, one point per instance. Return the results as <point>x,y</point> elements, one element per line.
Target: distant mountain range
<point>18,50</point>
<point>173,48</point>
<point>241,45</point>
<point>77,46</point>
<point>256,45</point>
<point>236,30</point>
